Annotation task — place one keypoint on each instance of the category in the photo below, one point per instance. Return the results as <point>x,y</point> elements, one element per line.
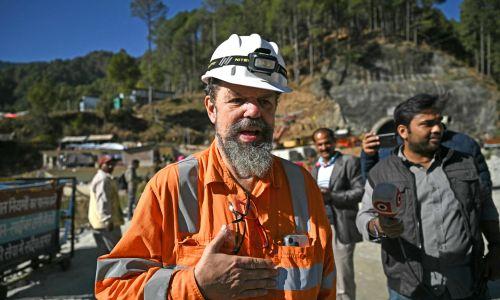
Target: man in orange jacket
<point>232,221</point>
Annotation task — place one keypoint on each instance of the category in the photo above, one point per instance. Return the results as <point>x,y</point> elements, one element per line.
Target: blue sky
<point>33,30</point>
<point>451,9</point>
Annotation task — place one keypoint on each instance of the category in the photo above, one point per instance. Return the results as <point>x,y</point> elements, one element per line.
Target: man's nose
<point>437,128</point>
<point>252,109</point>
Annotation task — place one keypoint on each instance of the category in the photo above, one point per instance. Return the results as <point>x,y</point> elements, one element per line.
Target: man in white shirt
<point>339,178</point>
<point>105,214</point>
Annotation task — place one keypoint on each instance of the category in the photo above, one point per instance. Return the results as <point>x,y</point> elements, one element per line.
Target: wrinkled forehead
<point>229,90</point>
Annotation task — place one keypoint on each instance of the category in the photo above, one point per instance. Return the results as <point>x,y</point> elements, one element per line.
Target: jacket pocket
<point>189,252</point>
<point>298,270</point>
<point>465,185</point>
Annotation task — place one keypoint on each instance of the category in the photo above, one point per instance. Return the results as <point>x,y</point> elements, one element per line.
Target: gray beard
<point>248,159</point>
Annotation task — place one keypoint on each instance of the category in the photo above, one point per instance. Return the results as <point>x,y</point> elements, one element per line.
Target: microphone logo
<point>386,199</point>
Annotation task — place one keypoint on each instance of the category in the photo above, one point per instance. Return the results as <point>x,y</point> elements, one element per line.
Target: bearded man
<point>433,248</point>
<point>232,221</point>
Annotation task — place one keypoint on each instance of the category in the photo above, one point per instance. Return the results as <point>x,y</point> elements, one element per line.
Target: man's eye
<point>266,102</point>
<point>237,101</point>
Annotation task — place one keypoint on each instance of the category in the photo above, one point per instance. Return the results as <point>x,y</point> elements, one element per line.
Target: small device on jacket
<point>296,240</point>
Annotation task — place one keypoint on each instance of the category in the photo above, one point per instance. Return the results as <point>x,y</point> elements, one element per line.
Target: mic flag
<point>386,199</point>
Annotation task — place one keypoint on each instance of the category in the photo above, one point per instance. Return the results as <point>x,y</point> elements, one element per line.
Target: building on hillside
<point>83,151</point>
<point>147,155</point>
<point>140,96</point>
<point>88,103</point>
<point>68,158</point>
<point>102,141</point>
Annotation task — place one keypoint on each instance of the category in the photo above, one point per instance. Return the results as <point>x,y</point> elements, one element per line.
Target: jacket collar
<point>104,174</point>
<point>442,155</point>
<point>330,162</point>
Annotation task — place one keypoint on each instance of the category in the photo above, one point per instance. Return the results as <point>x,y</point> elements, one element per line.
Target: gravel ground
<point>77,282</point>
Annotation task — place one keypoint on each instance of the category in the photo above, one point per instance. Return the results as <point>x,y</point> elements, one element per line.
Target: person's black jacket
<point>346,189</point>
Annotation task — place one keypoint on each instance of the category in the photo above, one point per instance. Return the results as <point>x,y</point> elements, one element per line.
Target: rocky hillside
<point>366,90</point>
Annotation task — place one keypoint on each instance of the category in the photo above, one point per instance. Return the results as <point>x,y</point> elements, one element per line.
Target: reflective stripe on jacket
<point>182,209</point>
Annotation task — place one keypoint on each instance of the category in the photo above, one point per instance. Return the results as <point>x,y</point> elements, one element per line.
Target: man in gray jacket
<point>339,178</point>
<point>433,248</point>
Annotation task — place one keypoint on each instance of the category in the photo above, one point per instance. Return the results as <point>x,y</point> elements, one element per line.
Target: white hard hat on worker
<point>249,61</point>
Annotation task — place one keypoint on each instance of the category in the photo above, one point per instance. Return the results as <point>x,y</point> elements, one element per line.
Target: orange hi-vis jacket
<point>183,208</point>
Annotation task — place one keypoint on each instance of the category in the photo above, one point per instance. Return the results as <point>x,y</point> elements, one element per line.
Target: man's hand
<point>327,198</point>
<point>492,268</point>
<point>222,276</point>
<point>390,227</point>
<point>370,144</point>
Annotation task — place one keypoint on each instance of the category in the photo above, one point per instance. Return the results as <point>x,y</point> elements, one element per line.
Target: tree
<point>479,23</point>
<point>7,86</point>
<point>42,96</point>
<point>150,11</point>
<point>123,71</point>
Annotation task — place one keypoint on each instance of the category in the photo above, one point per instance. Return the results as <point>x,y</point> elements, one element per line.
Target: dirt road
<point>78,281</point>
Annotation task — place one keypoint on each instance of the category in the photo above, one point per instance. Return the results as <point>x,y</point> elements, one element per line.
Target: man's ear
<point>402,130</point>
<point>211,110</point>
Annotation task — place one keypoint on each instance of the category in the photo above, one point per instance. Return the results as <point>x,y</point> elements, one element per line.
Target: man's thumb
<point>215,245</point>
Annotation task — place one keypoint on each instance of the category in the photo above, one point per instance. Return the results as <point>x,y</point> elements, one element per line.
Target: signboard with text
<point>29,221</point>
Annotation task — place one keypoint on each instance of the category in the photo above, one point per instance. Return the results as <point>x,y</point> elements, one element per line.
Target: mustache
<point>246,123</point>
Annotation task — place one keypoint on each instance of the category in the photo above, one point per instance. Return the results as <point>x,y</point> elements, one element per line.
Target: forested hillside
<point>315,34</point>
<point>318,38</point>
<point>312,35</point>
<point>66,80</point>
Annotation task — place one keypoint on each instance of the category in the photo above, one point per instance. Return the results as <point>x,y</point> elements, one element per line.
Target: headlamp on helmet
<point>259,61</point>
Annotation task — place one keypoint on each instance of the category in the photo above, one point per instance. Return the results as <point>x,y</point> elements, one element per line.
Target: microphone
<point>386,199</point>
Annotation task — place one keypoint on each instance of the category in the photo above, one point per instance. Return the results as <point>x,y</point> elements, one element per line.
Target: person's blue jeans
<point>393,295</point>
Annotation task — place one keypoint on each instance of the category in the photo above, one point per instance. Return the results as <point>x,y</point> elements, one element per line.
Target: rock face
<point>369,89</point>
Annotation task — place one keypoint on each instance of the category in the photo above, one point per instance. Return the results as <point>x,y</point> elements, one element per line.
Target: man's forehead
<point>322,135</point>
<point>427,115</point>
<point>234,90</point>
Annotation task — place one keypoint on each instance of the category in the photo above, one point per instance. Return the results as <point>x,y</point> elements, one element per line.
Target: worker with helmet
<point>232,221</point>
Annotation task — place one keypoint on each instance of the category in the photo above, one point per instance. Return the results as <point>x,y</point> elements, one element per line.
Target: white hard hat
<point>249,61</point>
